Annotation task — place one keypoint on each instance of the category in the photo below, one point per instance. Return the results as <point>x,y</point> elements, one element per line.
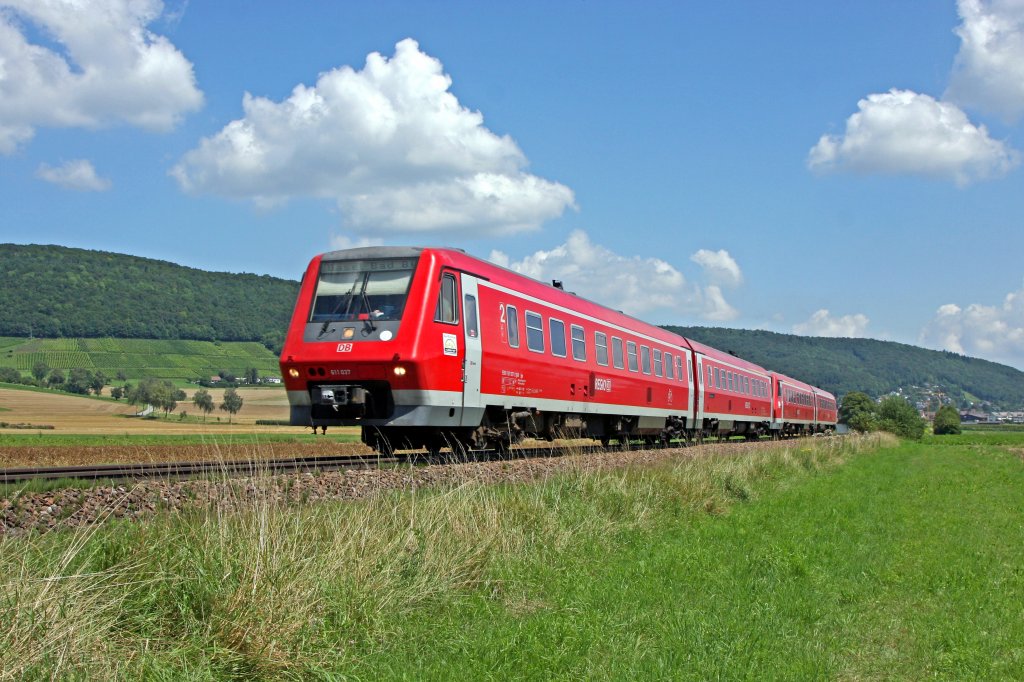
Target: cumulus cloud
<point>904,132</point>
<point>78,174</point>
<point>988,73</point>
<point>719,267</point>
<point>637,286</point>
<point>822,323</point>
<point>390,144</point>
<point>994,332</point>
<point>108,69</point>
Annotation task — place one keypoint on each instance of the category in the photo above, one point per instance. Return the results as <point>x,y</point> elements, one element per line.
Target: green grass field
<point>832,559</point>
<point>139,358</point>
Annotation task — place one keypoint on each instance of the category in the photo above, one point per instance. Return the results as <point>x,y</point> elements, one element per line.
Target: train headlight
<point>293,373</point>
<point>399,371</point>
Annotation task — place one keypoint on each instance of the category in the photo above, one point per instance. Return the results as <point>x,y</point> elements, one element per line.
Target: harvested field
<point>80,415</point>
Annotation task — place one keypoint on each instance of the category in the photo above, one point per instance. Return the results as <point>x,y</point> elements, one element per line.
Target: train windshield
<point>362,289</point>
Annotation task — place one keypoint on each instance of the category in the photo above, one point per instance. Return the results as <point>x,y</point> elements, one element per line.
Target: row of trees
<point>895,415</point>
<point>161,394</point>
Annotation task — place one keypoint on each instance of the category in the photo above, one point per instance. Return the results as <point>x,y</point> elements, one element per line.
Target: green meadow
<point>838,558</point>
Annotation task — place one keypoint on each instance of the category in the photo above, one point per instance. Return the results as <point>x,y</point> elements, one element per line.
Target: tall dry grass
<point>259,587</point>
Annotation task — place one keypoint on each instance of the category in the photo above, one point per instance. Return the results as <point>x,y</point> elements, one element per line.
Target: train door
<point>472,403</point>
<point>698,362</point>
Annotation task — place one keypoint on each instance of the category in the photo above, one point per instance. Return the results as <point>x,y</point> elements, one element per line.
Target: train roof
<point>724,356</point>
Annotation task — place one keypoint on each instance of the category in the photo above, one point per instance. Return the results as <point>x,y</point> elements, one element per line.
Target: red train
<point>428,348</point>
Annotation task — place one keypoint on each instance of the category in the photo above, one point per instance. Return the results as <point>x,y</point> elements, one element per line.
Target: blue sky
<point>844,169</point>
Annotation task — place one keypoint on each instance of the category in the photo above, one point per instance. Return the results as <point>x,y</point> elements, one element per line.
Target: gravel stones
<point>77,507</point>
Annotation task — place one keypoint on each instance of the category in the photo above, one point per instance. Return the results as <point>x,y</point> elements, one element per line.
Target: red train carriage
<point>794,406</point>
<point>427,347</point>
<point>827,411</point>
<point>734,395</point>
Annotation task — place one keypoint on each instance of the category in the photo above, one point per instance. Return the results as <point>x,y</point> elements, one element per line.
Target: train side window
<point>512,316</point>
<point>689,370</point>
<point>670,367</point>
<point>601,346</point>
<point>645,359</point>
<point>746,385</point>
<point>557,331</point>
<point>657,363</point>
<point>469,306</point>
<point>631,356</point>
<point>617,358</point>
<point>718,378</point>
<point>579,343</point>
<point>732,381</point>
<point>447,312</point>
<point>534,332</point>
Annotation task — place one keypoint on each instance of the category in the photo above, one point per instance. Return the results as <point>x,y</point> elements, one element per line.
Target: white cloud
<point>344,241</point>
<point>78,174</point>
<point>994,332</point>
<point>390,144</point>
<point>108,68</point>
<point>719,267</point>
<point>822,323</point>
<point>989,69</point>
<point>903,132</point>
<point>637,286</point>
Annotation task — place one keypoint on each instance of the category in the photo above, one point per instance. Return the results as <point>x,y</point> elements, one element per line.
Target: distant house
<point>271,380</point>
<point>973,417</point>
<point>215,379</point>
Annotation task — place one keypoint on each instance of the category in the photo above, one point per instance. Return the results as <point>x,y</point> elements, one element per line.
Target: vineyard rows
<point>139,358</point>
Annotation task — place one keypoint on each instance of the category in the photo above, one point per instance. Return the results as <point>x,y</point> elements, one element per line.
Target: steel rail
<point>187,469</point>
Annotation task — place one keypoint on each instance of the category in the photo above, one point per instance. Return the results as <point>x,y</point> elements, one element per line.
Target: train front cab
<point>386,339</point>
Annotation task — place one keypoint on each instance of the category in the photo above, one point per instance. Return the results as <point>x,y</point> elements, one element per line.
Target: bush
<point>899,417</point>
<point>947,421</point>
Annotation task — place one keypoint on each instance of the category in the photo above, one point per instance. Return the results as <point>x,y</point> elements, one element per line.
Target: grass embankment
<point>905,562</point>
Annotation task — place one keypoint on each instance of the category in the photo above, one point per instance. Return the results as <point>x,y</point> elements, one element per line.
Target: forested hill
<point>54,291</point>
<point>874,367</point>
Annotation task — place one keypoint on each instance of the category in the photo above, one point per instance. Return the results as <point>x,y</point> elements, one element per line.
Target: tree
<point>9,375</point>
<point>204,401</point>
<point>116,392</point>
<point>232,403</point>
<point>252,375</point>
<point>898,416</point>
<point>121,375</point>
<point>56,378</point>
<point>947,421</point>
<point>39,370</point>
<point>79,381</point>
<point>99,380</point>
<point>858,411</point>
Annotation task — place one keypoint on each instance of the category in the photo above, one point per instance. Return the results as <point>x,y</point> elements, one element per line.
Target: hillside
<point>136,359</point>
<point>72,295</point>
<point>875,367</point>
<point>54,291</point>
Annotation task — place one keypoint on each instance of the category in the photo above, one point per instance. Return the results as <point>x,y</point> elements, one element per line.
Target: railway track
<point>193,469</point>
<point>177,470</point>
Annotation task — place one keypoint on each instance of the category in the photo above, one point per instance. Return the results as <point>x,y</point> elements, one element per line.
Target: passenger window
<point>670,368</point>
<point>617,358</point>
<point>657,363</point>
<point>512,317</point>
<point>447,311</point>
<point>718,378</point>
<point>469,306</point>
<point>579,343</point>
<point>534,332</point>
<point>689,370</point>
<point>732,381</point>
<point>631,355</point>
<point>645,359</point>
<point>557,330</point>
<point>601,346</point>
